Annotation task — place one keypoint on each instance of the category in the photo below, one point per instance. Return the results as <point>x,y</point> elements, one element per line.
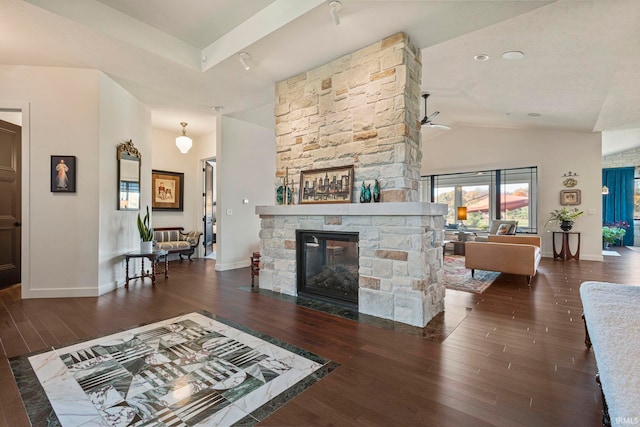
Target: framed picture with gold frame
<point>570,197</point>
<point>167,191</point>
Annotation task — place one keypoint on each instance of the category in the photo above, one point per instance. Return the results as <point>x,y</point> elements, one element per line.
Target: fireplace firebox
<point>327,265</point>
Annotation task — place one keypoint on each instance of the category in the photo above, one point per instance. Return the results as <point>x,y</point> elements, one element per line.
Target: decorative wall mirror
<point>129,159</point>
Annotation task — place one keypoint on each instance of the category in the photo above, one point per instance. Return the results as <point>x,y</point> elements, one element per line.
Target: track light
<point>244,59</point>
<point>335,7</point>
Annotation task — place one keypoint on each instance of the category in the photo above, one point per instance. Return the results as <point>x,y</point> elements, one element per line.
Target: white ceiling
<point>580,70</point>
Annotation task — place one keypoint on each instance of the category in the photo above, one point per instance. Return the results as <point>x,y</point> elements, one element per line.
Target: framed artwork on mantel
<point>330,185</point>
<point>167,191</point>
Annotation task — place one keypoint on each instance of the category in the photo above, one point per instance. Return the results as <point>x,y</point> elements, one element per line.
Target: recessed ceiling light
<point>481,57</point>
<point>513,55</point>
<point>217,108</point>
<point>534,114</point>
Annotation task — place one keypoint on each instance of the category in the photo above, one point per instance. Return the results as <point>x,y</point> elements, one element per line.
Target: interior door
<point>10,207</point>
<point>209,236</point>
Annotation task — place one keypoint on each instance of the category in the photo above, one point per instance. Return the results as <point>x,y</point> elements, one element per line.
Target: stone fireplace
<point>361,109</point>
<point>399,257</point>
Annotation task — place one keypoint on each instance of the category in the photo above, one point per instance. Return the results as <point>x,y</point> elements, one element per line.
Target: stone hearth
<point>400,253</point>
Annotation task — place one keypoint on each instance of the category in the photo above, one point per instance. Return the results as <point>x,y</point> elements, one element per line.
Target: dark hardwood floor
<point>513,356</point>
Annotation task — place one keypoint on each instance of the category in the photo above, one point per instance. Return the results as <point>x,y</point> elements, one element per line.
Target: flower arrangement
<point>564,215</point>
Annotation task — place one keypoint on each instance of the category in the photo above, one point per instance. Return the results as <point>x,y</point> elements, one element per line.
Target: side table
<point>458,246</point>
<point>565,250</point>
<point>153,256</point>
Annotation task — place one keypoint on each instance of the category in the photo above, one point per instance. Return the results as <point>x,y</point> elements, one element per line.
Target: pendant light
<point>183,142</point>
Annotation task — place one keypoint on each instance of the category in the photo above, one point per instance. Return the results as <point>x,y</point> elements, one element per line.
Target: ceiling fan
<point>426,121</point>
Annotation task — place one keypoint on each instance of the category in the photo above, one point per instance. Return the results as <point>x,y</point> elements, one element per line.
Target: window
<point>130,194</point>
<point>509,194</point>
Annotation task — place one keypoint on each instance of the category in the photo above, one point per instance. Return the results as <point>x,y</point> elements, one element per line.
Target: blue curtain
<point>618,204</point>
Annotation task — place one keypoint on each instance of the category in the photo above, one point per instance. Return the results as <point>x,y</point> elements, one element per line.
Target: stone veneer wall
<point>400,254</point>
<point>361,109</point>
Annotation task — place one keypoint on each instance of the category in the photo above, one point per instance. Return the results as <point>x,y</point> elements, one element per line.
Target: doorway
<point>10,197</point>
<point>209,200</point>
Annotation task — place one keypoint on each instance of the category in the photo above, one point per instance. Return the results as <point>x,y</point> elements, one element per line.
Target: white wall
<point>14,117</point>
<point>59,229</point>
<point>122,117</point>
<point>245,170</point>
<point>72,242</point>
<point>553,152</point>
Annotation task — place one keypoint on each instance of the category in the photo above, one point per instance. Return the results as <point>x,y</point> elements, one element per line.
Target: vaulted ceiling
<point>579,72</point>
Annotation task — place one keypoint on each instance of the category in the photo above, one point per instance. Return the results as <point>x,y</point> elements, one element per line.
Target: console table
<point>153,256</point>
<point>565,252</point>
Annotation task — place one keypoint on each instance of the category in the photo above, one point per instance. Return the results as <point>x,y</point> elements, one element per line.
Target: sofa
<point>175,240</point>
<point>507,254</point>
<point>611,321</point>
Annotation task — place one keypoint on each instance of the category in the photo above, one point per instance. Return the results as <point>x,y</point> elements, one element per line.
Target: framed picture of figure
<point>167,191</point>
<point>63,174</point>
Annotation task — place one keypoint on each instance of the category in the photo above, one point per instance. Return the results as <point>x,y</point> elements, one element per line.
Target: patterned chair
<point>175,240</point>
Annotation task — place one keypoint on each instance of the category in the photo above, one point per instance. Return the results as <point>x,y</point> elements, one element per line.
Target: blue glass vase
<point>365,193</point>
<point>376,192</point>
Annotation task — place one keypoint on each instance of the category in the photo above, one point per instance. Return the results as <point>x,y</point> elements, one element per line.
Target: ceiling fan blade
<point>437,126</point>
<point>433,116</point>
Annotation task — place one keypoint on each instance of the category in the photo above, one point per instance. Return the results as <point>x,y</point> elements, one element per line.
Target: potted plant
<point>565,217</point>
<point>146,233</point>
<point>614,232</point>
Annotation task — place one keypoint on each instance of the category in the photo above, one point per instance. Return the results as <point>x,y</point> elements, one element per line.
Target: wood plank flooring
<point>515,356</point>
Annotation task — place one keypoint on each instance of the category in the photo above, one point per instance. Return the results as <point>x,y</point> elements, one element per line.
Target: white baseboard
<point>232,265</point>
<point>59,293</point>
<point>582,256</point>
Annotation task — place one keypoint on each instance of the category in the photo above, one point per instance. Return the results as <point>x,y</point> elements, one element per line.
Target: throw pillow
<point>503,229</point>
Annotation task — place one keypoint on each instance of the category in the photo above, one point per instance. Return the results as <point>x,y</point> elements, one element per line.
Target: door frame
<point>214,189</point>
<point>25,230</point>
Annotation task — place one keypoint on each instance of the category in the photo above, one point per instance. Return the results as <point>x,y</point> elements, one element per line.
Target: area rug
<point>191,370</point>
<point>610,253</point>
<point>457,277</point>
